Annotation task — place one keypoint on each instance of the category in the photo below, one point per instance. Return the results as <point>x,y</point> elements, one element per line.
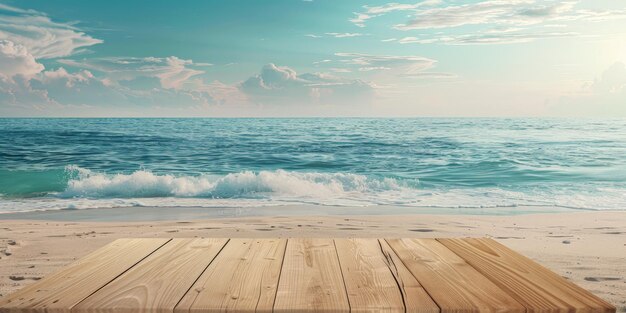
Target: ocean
<point>472,163</point>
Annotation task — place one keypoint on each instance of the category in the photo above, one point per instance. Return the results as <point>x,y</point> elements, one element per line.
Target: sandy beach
<point>589,248</point>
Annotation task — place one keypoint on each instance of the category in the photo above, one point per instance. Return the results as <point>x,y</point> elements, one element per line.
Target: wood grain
<point>370,285</point>
<point>416,299</point>
<point>311,279</point>
<point>537,288</point>
<point>242,278</point>
<point>449,280</point>
<point>157,283</point>
<point>59,292</point>
<point>304,275</point>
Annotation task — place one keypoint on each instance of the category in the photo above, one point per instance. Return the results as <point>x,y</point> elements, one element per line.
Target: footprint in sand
<point>601,278</point>
<point>422,230</point>
<point>19,278</point>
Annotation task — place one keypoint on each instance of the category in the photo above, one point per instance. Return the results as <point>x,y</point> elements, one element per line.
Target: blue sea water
<point>50,164</point>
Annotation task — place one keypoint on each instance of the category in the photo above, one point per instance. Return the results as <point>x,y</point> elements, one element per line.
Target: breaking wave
<point>246,184</point>
<point>80,188</point>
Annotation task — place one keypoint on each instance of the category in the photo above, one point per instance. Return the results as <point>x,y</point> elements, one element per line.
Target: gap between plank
<point>494,282</point>
<point>343,279</point>
<point>389,262</point>
<point>197,278</point>
<point>280,274</point>
<point>404,264</point>
<point>120,274</point>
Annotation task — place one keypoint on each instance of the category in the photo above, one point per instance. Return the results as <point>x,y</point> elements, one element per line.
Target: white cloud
<point>322,61</point>
<point>42,37</point>
<point>340,70</point>
<point>612,80</point>
<point>219,92</point>
<point>172,72</point>
<point>70,79</point>
<point>16,60</point>
<point>336,35</point>
<point>383,67</point>
<point>401,64</point>
<point>360,19</point>
<point>430,75</point>
<point>281,84</point>
<point>115,83</point>
<point>344,35</point>
<point>374,11</point>
<point>487,38</point>
<point>604,96</point>
<point>60,92</point>
<point>514,12</point>
<point>527,20</point>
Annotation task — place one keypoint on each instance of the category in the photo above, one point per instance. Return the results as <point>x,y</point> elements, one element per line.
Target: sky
<point>279,58</point>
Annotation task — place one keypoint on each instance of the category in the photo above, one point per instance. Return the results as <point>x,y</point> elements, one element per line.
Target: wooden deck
<point>304,275</point>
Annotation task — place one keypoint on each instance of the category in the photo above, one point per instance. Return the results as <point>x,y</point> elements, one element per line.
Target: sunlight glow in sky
<point>313,58</point>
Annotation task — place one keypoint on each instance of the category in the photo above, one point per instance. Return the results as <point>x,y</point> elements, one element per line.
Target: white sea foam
<point>247,189</point>
<point>247,184</point>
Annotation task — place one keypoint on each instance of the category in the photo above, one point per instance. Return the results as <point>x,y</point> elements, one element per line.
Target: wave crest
<point>246,184</point>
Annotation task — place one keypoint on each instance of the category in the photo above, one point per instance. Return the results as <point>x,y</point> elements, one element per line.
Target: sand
<point>589,248</point>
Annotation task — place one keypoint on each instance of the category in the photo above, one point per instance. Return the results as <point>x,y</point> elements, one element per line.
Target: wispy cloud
<point>369,62</point>
<point>344,35</point>
<point>386,67</point>
<point>524,20</point>
<point>41,36</point>
<point>487,38</point>
<point>282,85</point>
<point>430,75</point>
<point>374,11</point>
<point>336,35</point>
<point>434,14</point>
<point>172,72</point>
<point>513,12</point>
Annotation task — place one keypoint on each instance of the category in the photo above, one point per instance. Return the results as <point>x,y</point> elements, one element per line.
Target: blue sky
<point>313,58</point>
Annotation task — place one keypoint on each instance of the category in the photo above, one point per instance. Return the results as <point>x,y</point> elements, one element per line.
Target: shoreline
<point>588,248</point>
<point>172,213</point>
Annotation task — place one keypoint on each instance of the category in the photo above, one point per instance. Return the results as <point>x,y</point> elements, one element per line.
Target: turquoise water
<point>48,164</point>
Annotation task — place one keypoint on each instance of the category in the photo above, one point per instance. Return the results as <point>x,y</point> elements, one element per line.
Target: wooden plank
<point>370,285</point>
<point>449,280</point>
<point>416,299</point>
<point>242,278</point>
<point>536,287</point>
<point>157,283</point>
<point>64,289</point>
<point>311,279</point>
